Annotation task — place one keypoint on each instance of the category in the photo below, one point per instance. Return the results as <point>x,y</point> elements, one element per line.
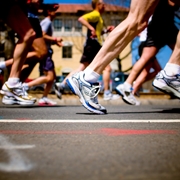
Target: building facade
<point>66,25</point>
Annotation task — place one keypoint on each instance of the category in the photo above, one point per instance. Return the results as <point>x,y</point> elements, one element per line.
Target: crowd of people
<point>155,25</point>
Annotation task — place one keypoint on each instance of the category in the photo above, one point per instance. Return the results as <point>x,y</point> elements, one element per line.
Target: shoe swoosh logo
<point>17,94</point>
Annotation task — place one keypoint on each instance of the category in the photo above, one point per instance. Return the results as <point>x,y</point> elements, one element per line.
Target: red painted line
<point>104,131</point>
<point>117,132</point>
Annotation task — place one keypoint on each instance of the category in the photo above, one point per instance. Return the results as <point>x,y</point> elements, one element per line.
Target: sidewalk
<point>145,99</point>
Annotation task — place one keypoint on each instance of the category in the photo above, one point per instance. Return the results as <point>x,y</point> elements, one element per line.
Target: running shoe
<point>26,88</point>
<point>87,93</point>
<point>167,84</point>
<point>110,96</point>
<point>18,92</point>
<point>127,95</point>
<point>10,100</point>
<point>58,88</point>
<point>46,102</point>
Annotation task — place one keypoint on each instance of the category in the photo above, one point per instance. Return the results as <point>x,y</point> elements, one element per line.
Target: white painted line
<point>17,146</point>
<point>91,121</point>
<point>17,162</point>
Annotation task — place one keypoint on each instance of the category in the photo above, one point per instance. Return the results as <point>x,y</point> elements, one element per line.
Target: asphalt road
<point>67,142</point>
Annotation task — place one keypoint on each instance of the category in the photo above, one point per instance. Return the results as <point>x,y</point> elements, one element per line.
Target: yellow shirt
<point>94,18</point>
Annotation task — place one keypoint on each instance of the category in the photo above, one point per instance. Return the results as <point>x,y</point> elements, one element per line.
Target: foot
<point>58,89</point>
<point>46,102</point>
<point>110,96</point>
<point>167,84</point>
<point>10,100</point>
<point>18,92</point>
<point>127,95</point>
<point>87,93</point>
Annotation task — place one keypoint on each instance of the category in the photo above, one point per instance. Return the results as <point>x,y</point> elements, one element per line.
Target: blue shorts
<point>47,64</point>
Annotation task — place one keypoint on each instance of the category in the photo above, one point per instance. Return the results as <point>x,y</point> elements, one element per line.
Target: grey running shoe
<point>18,92</point>
<point>167,84</point>
<point>58,89</point>
<point>87,93</point>
<point>127,95</point>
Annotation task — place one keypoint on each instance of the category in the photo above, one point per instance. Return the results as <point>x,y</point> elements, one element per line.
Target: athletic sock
<point>172,69</point>
<point>127,85</point>
<point>2,65</point>
<point>25,85</point>
<point>13,81</point>
<point>90,75</point>
<point>107,92</point>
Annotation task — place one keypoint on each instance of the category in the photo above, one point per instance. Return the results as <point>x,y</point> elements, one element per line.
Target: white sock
<point>107,92</point>
<point>13,81</point>
<point>26,86</point>
<point>90,75</point>
<point>127,85</point>
<point>172,69</point>
<point>2,65</point>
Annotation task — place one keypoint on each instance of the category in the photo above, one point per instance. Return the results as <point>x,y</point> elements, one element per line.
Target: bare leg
<point>38,53</point>
<point>175,57</point>
<point>51,76</point>
<point>137,20</point>
<point>81,67</point>
<point>145,75</point>
<point>20,24</point>
<point>106,77</point>
<point>147,54</point>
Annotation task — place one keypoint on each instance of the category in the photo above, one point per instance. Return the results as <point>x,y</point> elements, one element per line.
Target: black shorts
<point>91,48</point>
<point>160,38</point>
<point>36,26</point>
<point>140,48</point>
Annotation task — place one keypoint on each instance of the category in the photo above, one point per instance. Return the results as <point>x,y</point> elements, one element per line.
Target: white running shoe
<point>18,92</point>
<point>58,88</point>
<point>9,100</point>
<point>127,95</point>
<point>46,102</point>
<point>87,93</point>
<point>167,84</point>
<point>110,96</point>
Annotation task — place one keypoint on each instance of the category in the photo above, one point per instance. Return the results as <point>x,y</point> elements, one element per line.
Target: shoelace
<point>93,93</point>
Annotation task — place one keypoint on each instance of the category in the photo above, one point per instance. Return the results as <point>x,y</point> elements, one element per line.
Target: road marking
<point>102,131</point>
<point>17,161</point>
<point>91,121</point>
<point>24,146</point>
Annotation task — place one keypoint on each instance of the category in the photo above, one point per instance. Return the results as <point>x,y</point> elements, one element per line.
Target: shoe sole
<point>76,91</point>
<point>166,89</point>
<point>9,102</point>
<point>45,104</point>
<point>23,101</point>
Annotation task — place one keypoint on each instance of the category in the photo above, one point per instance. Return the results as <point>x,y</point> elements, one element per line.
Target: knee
<point>29,36</point>
<point>50,79</point>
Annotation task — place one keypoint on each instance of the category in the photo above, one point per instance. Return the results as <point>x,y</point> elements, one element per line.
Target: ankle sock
<point>13,81</point>
<point>90,75</point>
<point>172,69</point>
<point>2,65</point>
<point>127,85</point>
